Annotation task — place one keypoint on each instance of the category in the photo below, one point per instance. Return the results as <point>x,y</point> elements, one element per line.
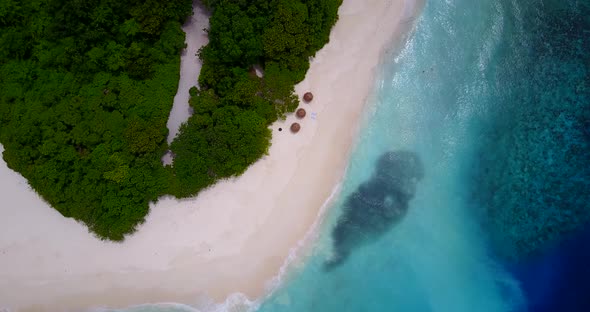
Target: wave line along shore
<point>233,237</point>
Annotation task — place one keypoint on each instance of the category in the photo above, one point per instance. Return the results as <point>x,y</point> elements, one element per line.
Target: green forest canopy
<point>87,86</point>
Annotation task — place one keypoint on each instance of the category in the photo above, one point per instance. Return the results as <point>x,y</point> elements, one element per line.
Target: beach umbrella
<point>300,113</point>
<point>307,97</point>
<point>295,127</point>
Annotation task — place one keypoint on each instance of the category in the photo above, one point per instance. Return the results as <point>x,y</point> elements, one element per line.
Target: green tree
<point>87,87</point>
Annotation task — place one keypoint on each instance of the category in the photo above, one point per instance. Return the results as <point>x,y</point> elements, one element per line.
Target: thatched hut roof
<point>308,97</point>
<point>295,127</point>
<point>300,113</point>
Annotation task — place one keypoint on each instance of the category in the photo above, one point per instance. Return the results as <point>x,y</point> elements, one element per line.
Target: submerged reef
<point>377,204</point>
<point>533,165</point>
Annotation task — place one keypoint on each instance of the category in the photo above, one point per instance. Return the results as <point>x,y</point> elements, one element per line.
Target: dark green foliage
<point>86,90</point>
<point>87,86</point>
<point>218,142</point>
<point>228,131</point>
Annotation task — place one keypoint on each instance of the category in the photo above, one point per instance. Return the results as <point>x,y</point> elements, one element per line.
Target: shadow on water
<point>377,204</point>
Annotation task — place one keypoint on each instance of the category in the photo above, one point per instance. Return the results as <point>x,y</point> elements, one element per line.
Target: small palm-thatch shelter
<point>300,113</point>
<point>295,127</point>
<point>308,97</point>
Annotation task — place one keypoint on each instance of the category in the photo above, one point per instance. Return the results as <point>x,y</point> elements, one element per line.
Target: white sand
<point>233,237</point>
<point>190,66</point>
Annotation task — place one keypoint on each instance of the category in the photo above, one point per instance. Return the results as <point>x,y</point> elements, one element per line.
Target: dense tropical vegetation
<point>87,86</point>
<point>232,111</point>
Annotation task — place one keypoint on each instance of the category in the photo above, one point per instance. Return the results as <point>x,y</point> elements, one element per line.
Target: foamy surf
<point>227,228</point>
<point>238,302</point>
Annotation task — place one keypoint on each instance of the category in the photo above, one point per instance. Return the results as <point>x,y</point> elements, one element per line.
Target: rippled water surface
<point>469,186</point>
<point>493,97</point>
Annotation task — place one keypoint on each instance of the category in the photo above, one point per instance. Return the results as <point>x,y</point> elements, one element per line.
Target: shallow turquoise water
<point>435,258</point>
<point>493,98</point>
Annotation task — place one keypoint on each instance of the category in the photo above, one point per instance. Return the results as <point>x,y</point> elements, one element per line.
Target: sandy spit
<point>190,67</point>
<point>231,238</point>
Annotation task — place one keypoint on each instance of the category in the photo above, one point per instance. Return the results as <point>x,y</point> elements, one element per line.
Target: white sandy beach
<point>190,66</point>
<point>231,238</point>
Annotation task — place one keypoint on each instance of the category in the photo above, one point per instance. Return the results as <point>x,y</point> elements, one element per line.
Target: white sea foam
<point>297,256</point>
<point>238,302</point>
<point>299,251</point>
<point>227,228</point>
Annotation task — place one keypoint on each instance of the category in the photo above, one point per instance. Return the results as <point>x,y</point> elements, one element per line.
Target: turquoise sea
<point>490,212</point>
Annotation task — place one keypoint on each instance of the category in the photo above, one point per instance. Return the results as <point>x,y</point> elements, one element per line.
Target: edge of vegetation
<point>87,87</point>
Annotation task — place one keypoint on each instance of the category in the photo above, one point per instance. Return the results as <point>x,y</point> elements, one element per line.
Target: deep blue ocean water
<point>492,98</point>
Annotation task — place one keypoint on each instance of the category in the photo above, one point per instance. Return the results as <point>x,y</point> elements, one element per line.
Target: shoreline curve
<point>231,238</point>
